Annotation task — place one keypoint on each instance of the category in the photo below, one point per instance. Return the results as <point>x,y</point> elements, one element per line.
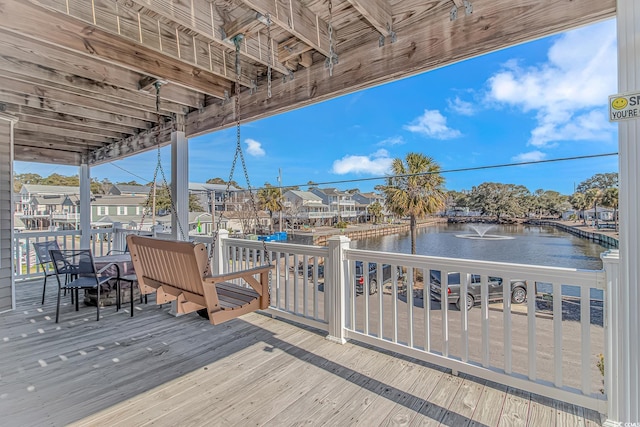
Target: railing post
<point>614,379</point>
<point>118,239</point>
<point>334,290</point>
<point>217,266</point>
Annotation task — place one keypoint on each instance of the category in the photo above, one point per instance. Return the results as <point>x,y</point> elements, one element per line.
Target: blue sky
<point>537,101</point>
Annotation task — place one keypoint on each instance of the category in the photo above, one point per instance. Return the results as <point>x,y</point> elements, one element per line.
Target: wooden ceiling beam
<point>52,107</point>
<point>46,155</point>
<point>377,13</point>
<point>197,16</point>
<point>80,67</point>
<point>426,43</point>
<point>54,140</point>
<point>246,24</point>
<point>68,126</point>
<point>50,26</point>
<point>295,18</point>
<point>44,94</point>
<point>144,141</point>
<point>291,48</point>
<point>14,69</point>
<point>57,131</point>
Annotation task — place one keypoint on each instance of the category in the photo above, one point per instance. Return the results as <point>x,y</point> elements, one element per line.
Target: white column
<point>334,291</point>
<point>85,206</point>
<point>180,185</point>
<point>7,244</point>
<point>623,367</point>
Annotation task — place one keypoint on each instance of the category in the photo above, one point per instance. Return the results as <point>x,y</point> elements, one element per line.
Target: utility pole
<point>280,200</point>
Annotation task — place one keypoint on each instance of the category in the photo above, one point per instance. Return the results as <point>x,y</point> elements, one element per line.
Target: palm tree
<point>270,199</point>
<point>414,190</point>
<point>376,211</point>
<point>593,196</point>
<point>610,199</point>
<point>579,202</point>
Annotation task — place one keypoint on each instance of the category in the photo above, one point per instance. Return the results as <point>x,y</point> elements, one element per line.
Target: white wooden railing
<point>25,261</point>
<point>548,345</point>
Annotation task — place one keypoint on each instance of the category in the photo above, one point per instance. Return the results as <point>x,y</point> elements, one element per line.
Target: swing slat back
<point>176,270</point>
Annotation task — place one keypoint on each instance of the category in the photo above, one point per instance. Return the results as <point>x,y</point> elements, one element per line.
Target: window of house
<point>102,210</point>
<point>122,210</point>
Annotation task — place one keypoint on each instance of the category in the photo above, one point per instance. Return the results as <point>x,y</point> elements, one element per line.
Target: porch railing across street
<point>549,345</point>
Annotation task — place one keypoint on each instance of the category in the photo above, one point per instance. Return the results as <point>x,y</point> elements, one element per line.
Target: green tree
<point>601,181</point>
<point>610,200</point>
<point>376,210</point>
<point>270,199</point>
<point>414,190</point>
<point>593,196</point>
<point>499,200</point>
<point>163,200</point>
<point>579,202</point>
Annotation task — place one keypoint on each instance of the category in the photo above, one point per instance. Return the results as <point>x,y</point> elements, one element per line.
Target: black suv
<point>373,276</point>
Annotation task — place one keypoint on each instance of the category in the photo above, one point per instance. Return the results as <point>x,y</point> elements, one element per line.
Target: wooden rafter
<point>254,46</point>
<point>377,13</point>
<point>296,19</point>
<point>31,20</point>
<point>435,43</point>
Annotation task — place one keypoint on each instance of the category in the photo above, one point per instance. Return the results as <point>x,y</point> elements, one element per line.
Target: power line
<point>130,173</point>
<point>468,169</point>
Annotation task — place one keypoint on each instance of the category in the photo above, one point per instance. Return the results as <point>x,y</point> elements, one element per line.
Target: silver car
<point>518,289</point>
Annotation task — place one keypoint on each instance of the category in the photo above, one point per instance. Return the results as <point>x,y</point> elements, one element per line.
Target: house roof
<point>48,189</point>
<point>197,186</point>
<point>305,195</point>
<point>112,200</point>
<point>132,189</point>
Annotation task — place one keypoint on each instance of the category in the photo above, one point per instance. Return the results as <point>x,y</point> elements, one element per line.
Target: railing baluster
<point>465,281</point>
<point>278,279</point>
<point>410,307</point>
<point>426,298</point>
<point>352,290</point>
<point>585,323</point>
<point>287,283</point>
<point>484,305</point>
<point>315,288</point>
<point>531,323</point>
<point>295,283</point>
<point>506,324</point>
<point>380,279</point>
<point>557,334</point>
<point>394,310</point>
<point>365,294</point>
<point>305,284</point>
<point>444,309</point>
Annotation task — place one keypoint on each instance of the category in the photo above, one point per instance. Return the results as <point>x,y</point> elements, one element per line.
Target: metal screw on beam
<point>468,7</point>
<point>453,14</point>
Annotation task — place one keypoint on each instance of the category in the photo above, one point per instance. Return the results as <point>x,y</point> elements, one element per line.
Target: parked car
<point>518,289</point>
<point>373,276</point>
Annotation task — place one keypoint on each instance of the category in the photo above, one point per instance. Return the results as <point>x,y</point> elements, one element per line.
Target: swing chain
<point>269,53</point>
<point>238,153</point>
<point>332,53</point>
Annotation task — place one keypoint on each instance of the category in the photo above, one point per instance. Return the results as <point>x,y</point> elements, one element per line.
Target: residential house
<point>362,203</point>
<point>214,195</point>
<point>304,208</point>
<point>341,204</point>
<point>46,206</point>
<point>127,210</point>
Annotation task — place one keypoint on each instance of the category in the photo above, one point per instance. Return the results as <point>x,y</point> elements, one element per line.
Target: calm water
<point>529,245</point>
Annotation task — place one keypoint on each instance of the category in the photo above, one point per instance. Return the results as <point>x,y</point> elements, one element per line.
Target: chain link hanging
<point>332,52</point>
<point>238,154</point>
<point>270,53</point>
<point>160,169</point>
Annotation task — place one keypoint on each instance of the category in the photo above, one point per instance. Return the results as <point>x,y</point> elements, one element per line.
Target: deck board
<point>163,370</point>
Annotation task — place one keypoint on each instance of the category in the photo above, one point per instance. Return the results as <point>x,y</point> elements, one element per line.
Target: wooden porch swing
<point>179,270</point>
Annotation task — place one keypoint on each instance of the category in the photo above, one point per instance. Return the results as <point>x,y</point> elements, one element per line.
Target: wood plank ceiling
<point>81,75</point>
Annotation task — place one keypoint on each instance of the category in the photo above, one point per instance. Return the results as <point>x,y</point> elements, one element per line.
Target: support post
<point>180,185</point>
<point>218,255</point>
<point>8,249</point>
<point>335,288</point>
<point>611,265</point>
<point>85,205</point>
<point>623,369</point>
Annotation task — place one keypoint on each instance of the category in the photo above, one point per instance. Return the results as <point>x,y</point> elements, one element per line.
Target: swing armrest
<point>216,278</point>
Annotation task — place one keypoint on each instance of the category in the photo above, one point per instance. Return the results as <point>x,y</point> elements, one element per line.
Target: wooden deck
<point>158,369</point>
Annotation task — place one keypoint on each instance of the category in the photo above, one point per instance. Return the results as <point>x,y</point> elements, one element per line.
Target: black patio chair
<point>44,260</point>
<point>79,265</point>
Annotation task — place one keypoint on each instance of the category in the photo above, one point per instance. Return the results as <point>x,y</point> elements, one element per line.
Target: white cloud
<point>254,148</point>
<point>461,107</point>
<point>377,163</point>
<point>432,124</point>
<point>394,140</point>
<point>531,156</point>
<point>569,92</point>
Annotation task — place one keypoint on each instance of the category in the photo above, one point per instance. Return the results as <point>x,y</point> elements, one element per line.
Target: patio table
<point>108,296</point>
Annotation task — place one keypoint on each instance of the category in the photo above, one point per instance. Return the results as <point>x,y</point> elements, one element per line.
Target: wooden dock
<point>158,369</point>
